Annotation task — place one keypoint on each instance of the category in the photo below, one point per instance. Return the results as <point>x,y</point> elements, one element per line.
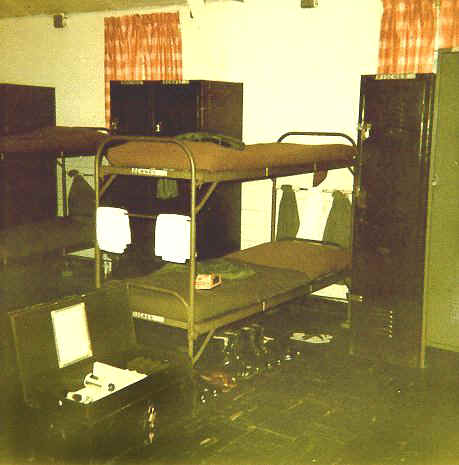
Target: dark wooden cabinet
<point>27,180</point>
<point>167,109</point>
<point>28,190</point>
<point>405,215</point>
<point>24,108</point>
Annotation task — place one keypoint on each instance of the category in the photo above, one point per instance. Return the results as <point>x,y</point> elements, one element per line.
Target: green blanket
<point>226,268</point>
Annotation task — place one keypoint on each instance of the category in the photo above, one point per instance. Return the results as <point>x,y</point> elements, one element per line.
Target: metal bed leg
<point>347,323</point>
<point>206,341</point>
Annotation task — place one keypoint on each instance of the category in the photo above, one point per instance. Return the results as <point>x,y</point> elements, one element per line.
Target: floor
<point>314,404</point>
<point>320,406</point>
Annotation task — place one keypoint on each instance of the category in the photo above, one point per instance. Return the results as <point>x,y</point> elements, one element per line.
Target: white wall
<point>300,68</point>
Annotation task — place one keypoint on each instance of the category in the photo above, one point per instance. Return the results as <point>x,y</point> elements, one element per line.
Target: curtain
<point>142,47</point>
<point>407,37</point>
<point>449,27</point>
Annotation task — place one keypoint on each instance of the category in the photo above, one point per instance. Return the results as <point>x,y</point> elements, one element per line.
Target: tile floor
<point>321,407</point>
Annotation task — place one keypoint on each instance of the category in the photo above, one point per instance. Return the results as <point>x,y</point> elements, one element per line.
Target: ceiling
<point>15,8</point>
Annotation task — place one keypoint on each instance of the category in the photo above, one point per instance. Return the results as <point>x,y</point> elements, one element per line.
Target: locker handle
<point>364,128</point>
<point>361,198</point>
<point>355,298</point>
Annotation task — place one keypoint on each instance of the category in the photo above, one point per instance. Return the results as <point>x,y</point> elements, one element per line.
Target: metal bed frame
<point>197,178</point>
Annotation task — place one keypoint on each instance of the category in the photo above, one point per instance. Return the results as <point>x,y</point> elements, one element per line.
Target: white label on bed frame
<point>148,172</point>
<point>148,317</point>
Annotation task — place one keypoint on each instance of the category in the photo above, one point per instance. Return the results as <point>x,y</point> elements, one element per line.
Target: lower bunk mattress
<point>253,280</point>
<point>46,236</point>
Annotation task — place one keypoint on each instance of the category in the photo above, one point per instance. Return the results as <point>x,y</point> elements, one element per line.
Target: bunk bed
<point>73,230</point>
<point>268,274</point>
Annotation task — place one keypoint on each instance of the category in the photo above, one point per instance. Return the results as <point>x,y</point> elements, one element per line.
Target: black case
<point>62,428</point>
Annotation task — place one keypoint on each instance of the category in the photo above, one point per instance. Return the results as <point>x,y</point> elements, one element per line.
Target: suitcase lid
<point>56,336</point>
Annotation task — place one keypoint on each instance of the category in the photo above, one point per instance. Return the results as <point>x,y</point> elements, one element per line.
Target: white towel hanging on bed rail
<point>112,229</point>
<point>172,237</point>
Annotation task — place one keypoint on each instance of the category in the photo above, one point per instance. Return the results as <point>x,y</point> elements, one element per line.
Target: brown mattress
<point>216,158</point>
<point>54,139</point>
<point>314,259</point>
<point>45,236</point>
<point>231,295</point>
<point>280,269</point>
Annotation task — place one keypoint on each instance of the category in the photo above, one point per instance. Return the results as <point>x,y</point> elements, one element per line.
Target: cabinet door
<point>176,108</point>
<point>24,108</point>
<point>221,108</point>
<point>28,188</point>
<point>390,221</point>
<point>131,108</point>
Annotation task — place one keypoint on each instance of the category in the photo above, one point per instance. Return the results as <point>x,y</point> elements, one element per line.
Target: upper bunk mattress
<point>55,139</point>
<point>214,158</point>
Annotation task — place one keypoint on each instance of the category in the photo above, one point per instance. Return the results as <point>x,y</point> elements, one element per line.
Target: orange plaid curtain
<point>142,47</point>
<point>449,23</point>
<point>407,37</point>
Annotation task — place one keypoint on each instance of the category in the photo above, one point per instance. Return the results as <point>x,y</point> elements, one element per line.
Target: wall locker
<point>404,293</point>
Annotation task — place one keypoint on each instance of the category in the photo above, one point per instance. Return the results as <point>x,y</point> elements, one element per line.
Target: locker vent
<point>381,322</point>
<point>455,309</point>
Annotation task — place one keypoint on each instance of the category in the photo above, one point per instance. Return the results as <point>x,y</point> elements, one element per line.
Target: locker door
<point>389,228</point>
<point>442,264</point>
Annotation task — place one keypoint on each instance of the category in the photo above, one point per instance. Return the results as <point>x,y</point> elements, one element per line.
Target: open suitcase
<point>91,391</point>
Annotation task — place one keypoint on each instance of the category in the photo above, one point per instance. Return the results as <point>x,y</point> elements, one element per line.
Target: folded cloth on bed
<point>225,268</point>
<point>112,229</point>
<point>220,139</point>
<point>212,157</point>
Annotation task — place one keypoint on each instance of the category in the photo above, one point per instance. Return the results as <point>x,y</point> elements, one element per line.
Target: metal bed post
<point>273,209</point>
<point>194,209</point>
<point>192,275</point>
<point>97,182</point>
